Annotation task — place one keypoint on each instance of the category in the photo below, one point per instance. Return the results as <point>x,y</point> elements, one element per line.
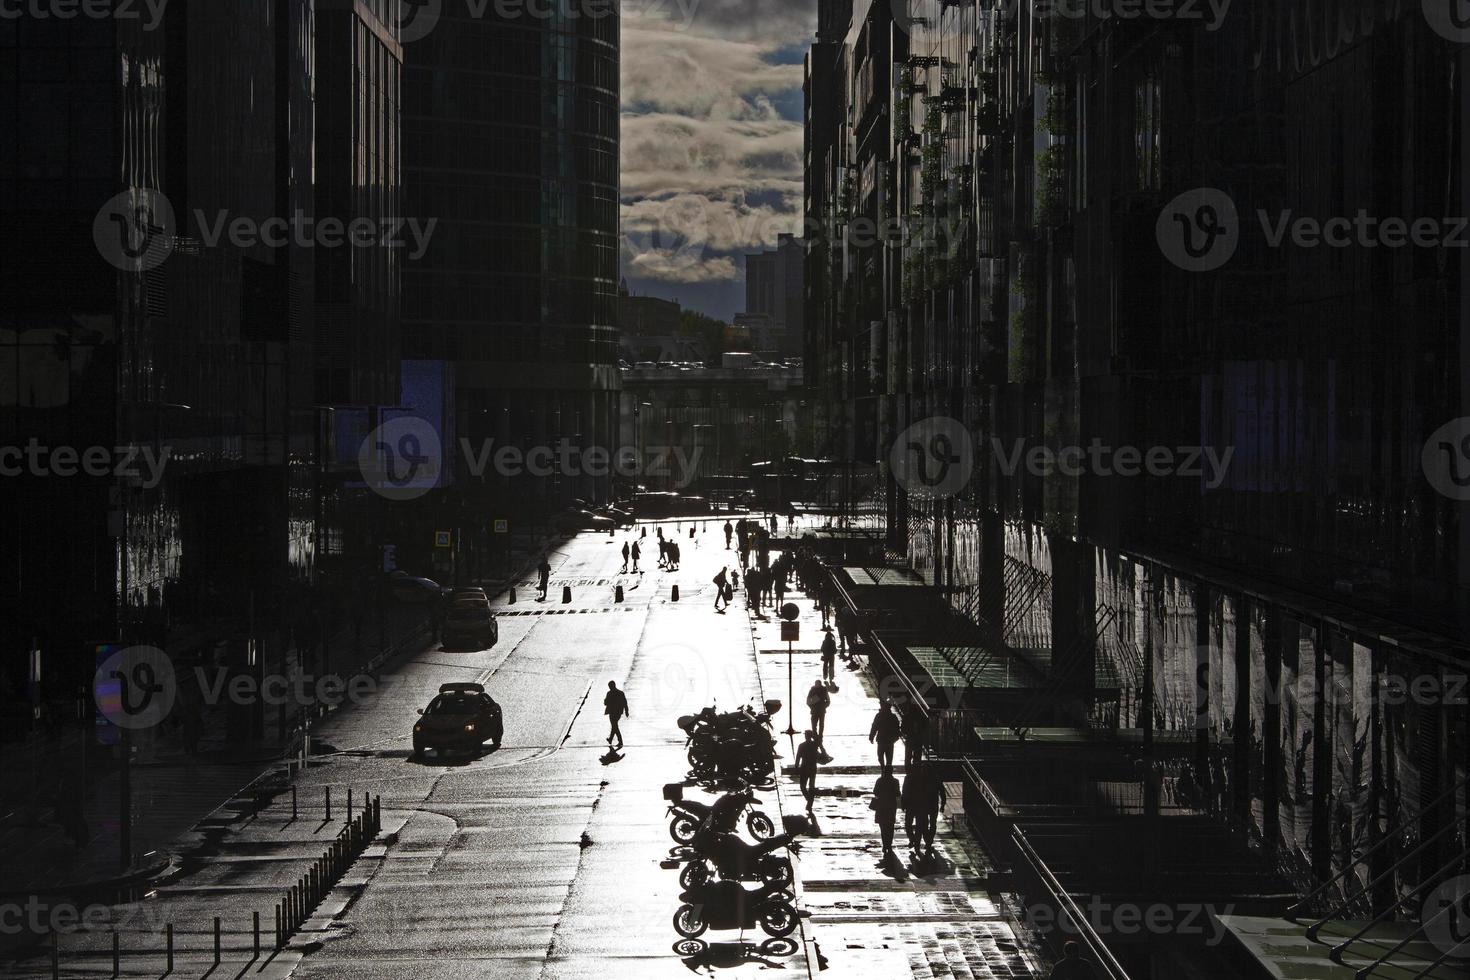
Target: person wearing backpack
<point>818,700</point>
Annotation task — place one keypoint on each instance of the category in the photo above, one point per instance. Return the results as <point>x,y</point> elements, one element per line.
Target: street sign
<point>502,527</point>
<point>790,632</point>
<point>790,612</point>
<point>443,539</point>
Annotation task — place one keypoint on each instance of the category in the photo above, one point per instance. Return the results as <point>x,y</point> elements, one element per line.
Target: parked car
<point>414,590</point>
<point>463,716</point>
<point>470,622</point>
<point>576,519</point>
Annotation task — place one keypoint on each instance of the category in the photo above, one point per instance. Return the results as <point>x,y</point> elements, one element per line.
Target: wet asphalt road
<point>542,859</point>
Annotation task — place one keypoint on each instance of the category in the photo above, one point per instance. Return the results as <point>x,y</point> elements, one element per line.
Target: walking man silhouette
<point>544,571</point>
<point>615,705</point>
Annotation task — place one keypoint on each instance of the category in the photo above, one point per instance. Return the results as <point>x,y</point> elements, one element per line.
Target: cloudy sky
<point>711,141</point>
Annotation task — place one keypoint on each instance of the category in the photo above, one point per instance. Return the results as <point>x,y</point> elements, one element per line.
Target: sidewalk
<point>172,789</point>
<point>941,921</point>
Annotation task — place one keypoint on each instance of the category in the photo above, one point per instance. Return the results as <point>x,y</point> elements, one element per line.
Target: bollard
<point>512,596</point>
<point>566,593</point>
<point>329,802</point>
<point>216,940</point>
<point>169,928</point>
<point>378,811</point>
<point>255,932</point>
<point>618,594</point>
<point>675,596</point>
<point>349,803</point>
<point>116,955</point>
<point>280,927</point>
<point>293,801</point>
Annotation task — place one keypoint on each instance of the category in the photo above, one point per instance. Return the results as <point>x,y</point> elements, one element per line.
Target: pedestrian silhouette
<point>637,552</point>
<point>729,533</point>
<point>721,581</point>
<point>1072,965</point>
<point>817,699</point>
<point>885,810</point>
<point>615,706</point>
<point>626,552</point>
<point>829,657</point>
<point>808,755</point>
<point>915,734</point>
<point>544,571</point>
<point>885,733</point>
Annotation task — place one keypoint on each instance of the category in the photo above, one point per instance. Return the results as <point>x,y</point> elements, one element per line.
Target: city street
<point>543,858</point>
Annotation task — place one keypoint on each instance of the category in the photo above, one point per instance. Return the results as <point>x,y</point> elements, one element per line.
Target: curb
<point>160,863</point>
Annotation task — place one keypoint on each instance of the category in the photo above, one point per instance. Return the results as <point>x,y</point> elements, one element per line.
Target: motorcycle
<point>735,747</point>
<point>689,816</point>
<point>730,905</point>
<point>713,852</point>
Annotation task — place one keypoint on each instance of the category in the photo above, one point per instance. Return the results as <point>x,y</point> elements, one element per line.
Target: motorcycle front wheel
<point>775,871</point>
<point>694,875</point>
<point>689,923</point>
<point>778,919</point>
<point>760,825</point>
<point>683,828</point>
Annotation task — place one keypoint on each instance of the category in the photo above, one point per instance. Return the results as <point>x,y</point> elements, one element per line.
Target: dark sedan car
<point>463,716</point>
<point>471,623</point>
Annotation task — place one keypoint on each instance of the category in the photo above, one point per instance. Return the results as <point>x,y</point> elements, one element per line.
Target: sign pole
<point>790,632</point>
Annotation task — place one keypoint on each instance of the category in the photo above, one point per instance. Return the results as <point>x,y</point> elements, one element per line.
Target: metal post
<point>216,940</point>
<point>278,925</point>
<point>255,933</point>
<point>55,955</point>
<point>349,803</point>
<point>329,802</point>
<point>790,687</point>
<point>169,931</point>
<point>116,955</point>
<point>125,803</point>
<point>293,801</point>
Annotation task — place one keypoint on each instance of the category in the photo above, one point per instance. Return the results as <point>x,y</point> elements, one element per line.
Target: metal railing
<point>1103,959</point>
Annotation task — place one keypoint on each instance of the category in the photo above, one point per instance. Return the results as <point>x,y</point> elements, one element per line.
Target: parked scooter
<point>689,816</point>
<point>729,905</point>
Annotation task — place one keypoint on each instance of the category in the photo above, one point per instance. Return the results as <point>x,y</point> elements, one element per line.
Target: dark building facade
<point>1020,214</point>
<point>519,290</point>
<point>155,317</point>
<point>775,290</point>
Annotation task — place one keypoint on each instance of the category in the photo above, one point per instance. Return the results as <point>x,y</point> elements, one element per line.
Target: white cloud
<point>709,167</point>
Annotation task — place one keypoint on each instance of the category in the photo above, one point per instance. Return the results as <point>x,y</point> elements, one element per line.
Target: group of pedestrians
<point>921,794</point>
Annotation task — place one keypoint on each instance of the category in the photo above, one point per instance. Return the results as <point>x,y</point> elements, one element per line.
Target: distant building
<point>648,316</point>
<point>775,288</point>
